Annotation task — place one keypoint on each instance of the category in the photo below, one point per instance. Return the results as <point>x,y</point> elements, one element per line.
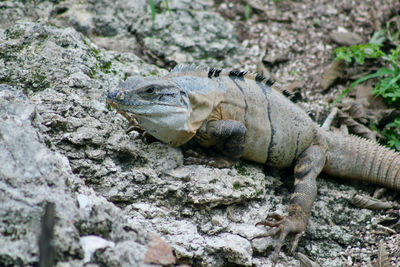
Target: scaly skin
<point>244,115</point>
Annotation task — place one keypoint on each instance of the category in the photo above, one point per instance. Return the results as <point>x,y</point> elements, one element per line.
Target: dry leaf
<point>328,121</point>
<point>365,202</point>
<point>383,256</point>
<point>364,92</point>
<point>295,86</point>
<point>379,192</point>
<point>305,261</point>
<point>256,4</point>
<point>354,126</point>
<point>334,71</point>
<point>262,70</point>
<point>277,58</point>
<point>356,109</point>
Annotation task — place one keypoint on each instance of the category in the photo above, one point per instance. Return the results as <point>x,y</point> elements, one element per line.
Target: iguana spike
<point>235,73</point>
<point>259,78</point>
<point>189,68</point>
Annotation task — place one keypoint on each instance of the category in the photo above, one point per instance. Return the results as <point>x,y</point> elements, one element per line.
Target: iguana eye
<point>150,90</point>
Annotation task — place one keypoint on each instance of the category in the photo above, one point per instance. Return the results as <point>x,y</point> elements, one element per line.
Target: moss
<point>118,58</point>
<point>13,33</point>
<point>241,169</point>
<point>35,83</point>
<point>105,66</point>
<point>95,51</point>
<point>236,186</point>
<point>126,76</point>
<point>154,72</point>
<point>92,72</point>
<point>7,80</point>
<point>48,143</point>
<point>109,107</point>
<point>39,82</point>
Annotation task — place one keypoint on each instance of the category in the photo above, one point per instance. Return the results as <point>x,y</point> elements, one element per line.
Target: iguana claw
<point>283,225</point>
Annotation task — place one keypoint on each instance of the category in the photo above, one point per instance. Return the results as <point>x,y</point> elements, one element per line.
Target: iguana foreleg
<point>230,134</point>
<point>308,166</point>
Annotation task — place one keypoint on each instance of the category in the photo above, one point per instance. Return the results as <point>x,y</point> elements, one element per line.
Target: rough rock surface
<point>31,176</point>
<point>177,36</point>
<point>113,190</point>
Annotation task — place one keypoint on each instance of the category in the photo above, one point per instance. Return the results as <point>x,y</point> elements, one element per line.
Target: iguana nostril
<point>113,94</point>
<point>120,95</point>
<point>116,95</point>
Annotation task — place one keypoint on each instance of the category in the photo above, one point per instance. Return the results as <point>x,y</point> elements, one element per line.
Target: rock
<point>233,186</point>
<point>234,248</point>
<point>345,38</point>
<point>30,176</point>
<point>183,35</point>
<point>179,35</point>
<point>260,245</point>
<point>159,252</point>
<point>91,243</point>
<point>122,255</point>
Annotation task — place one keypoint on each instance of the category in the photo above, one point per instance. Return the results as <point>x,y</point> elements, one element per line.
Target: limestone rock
<point>60,143</point>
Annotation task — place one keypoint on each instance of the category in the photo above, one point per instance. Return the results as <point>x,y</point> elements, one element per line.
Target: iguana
<point>244,115</point>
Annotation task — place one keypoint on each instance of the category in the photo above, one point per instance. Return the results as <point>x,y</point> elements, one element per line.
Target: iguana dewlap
<point>244,115</point>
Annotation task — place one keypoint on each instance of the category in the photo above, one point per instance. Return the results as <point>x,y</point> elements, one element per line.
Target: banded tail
<point>361,159</point>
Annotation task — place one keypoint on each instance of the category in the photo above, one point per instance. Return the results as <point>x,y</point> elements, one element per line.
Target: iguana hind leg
<point>307,167</point>
<point>230,133</point>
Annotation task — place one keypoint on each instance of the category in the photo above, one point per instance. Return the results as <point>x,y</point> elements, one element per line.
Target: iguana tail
<point>361,159</point>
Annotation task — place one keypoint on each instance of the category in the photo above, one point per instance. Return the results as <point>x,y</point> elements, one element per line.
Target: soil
<point>296,36</point>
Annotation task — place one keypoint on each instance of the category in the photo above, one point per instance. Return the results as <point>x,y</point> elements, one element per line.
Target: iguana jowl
<point>244,115</point>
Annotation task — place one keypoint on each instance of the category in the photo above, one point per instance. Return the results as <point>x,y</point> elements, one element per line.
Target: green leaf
<point>378,37</point>
<point>380,72</point>
<point>247,12</point>
<point>392,82</point>
<point>153,10</point>
<point>359,52</point>
<point>343,53</point>
<point>387,86</point>
<point>391,134</point>
<point>393,58</point>
<point>169,10</point>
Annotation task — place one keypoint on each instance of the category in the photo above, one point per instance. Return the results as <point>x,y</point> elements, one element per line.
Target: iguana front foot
<point>283,225</point>
<point>230,133</point>
<point>202,158</point>
<point>308,165</point>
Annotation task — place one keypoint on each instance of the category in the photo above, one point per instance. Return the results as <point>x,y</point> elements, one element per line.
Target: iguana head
<point>160,106</point>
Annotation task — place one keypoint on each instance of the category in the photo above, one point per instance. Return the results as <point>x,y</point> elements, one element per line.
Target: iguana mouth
<point>129,116</point>
<point>117,98</point>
